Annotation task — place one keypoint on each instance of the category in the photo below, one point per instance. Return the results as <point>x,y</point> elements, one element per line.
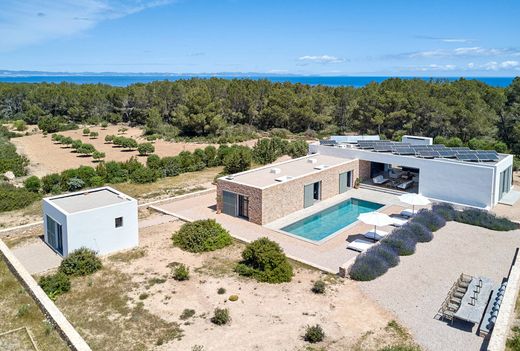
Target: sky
<point>303,37</point>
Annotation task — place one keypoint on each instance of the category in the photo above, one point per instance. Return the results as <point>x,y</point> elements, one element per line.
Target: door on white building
<point>55,235</point>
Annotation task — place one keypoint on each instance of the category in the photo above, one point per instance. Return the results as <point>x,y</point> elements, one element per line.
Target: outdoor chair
<point>398,221</point>
<point>379,180</point>
<point>408,212</point>
<point>375,235</point>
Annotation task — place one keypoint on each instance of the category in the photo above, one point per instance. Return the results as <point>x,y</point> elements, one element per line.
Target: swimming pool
<point>320,225</point>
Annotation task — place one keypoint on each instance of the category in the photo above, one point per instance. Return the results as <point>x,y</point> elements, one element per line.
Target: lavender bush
<point>446,211</point>
<point>386,252</point>
<point>419,231</point>
<point>429,219</point>
<point>368,266</point>
<point>402,241</point>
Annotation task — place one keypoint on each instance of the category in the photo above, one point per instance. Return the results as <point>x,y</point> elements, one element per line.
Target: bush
<point>181,272</point>
<point>10,160</point>
<point>13,198</point>
<point>145,149</point>
<point>74,184</point>
<point>318,287</point>
<point>104,125</point>
<point>368,266</point>
<point>97,155</point>
<point>200,236</point>
<point>93,135</point>
<point>485,219</point>
<point>419,231</point>
<point>402,241</point>
<point>144,175</point>
<point>20,125</point>
<point>186,314</point>
<point>429,219</point>
<point>55,284</point>
<point>237,160</point>
<point>265,152</point>
<point>445,210</point>
<point>298,148</point>
<point>76,144</point>
<point>153,162</point>
<point>109,138</point>
<point>80,262</point>
<point>314,334</point>
<point>265,261</point>
<point>221,291</point>
<point>96,181</point>
<point>233,298</point>
<point>33,184</point>
<point>220,316</point>
<point>86,149</point>
<point>86,131</point>
<point>386,252</point>
<point>50,181</point>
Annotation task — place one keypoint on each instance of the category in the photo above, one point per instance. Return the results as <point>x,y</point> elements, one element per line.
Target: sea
<point>125,80</point>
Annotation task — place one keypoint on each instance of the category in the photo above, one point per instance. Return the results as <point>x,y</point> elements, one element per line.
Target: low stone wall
<point>63,326</point>
<point>506,314</point>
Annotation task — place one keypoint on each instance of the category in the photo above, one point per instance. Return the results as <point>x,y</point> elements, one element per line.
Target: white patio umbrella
<point>376,219</point>
<point>414,200</point>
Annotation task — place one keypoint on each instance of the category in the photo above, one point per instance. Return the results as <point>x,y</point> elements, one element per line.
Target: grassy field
<point>18,309</point>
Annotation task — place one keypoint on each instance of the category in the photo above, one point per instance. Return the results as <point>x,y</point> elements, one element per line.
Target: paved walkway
<point>328,256</point>
<point>37,257</point>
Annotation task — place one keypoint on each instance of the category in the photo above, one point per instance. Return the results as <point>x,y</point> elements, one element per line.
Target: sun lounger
<point>375,235</point>
<point>360,245</point>
<point>398,221</point>
<point>379,180</point>
<point>405,185</point>
<point>408,213</point>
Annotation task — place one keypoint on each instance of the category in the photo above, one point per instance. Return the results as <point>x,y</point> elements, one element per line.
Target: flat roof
<point>286,171</point>
<point>89,199</point>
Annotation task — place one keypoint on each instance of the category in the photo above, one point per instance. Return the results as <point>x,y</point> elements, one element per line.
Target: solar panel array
<point>429,151</point>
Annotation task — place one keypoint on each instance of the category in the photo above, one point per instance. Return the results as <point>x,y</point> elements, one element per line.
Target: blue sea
<point>125,80</point>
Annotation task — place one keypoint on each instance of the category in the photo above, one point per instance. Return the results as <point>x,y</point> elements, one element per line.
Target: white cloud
<point>455,40</point>
<point>496,66</point>
<point>320,59</point>
<point>29,22</point>
<point>475,51</point>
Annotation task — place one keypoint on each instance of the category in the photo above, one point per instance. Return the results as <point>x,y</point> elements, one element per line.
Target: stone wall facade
<point>364,170</point>
<point>254,195</point>
<point>280,200</point>
<point>285,198</point>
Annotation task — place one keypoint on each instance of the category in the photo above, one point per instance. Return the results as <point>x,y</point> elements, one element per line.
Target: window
<point>119,222</point>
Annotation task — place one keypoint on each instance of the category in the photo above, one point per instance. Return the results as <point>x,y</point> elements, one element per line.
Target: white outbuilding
<point>101,219</point>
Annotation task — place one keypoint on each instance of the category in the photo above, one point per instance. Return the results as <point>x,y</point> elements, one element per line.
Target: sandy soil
<point>48,157</point>
<point>265,317</point>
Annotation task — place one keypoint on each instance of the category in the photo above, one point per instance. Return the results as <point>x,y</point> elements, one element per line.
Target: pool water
<point>324,223</point>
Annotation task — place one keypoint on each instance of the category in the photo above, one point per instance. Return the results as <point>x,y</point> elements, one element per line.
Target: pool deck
<point>328,256</point>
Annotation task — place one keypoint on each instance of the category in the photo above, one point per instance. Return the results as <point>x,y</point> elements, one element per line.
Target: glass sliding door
<point>229,200</point>
<point>345,181</point>
<point>506,179</point>
<point>55,235</point>
<point>243,206</point>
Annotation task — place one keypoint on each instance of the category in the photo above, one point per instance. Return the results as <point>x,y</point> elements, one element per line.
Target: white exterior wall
<point>96,229</point>
<point>463,183</point>
<point>502,165</point>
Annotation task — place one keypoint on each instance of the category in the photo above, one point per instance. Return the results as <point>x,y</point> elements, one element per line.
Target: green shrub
<point>97,155</point>
<point>202,235</point>
<point>13,198</point>
<point>109,138</point>
<point>318,287</point>
<point>143,296</point>
<point>314,334</point>
<point>265,261</point>
<point>55,284</point>
<point>86,131</point>
<point>144,175</point>
<point>23,310</point>
<point>221,291</point>
<point>33,184</point>
<point>74,184</point>
<point>76,144</point>
<point>145,149</point>
<point>86,149</point>
<point>233,298</point>
<point>80,262</point>
<point>186,314</point>
<point>20,125</point>
<point>298,148</point>
<point>220,316</point>
<point>93,135</point>
<point>237,160</point>
<point>181,272</point>
<point>96,181</point>
<point>104,125</point>
<point>10,160</point>
<point>513,342</point>
<point>50,181</point>
<point>153,162</point>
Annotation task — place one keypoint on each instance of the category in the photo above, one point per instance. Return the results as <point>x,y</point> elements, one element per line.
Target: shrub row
<point>268,150</point>
<point>474,216</point>
<point>10,160</point>
<point>400,242</point>
<point>80,147</point>
<point>13,198</point>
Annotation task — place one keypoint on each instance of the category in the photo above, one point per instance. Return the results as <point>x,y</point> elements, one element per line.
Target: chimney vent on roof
<point>320,167</point>
<point>312,160</point>
<point>283,178</point>
<point>275,170</point>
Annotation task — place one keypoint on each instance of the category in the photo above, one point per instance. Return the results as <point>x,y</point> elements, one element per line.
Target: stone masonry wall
<point>285,198</point>
<point>254,194</point>
<point>364,170</point>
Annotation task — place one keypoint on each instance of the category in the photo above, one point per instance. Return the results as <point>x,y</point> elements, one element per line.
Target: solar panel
<point>468,157</point>
<point>447,153</point>
<point>328,142</point>
<point>458,148</point>
<point>437,146</point>
<point>487,157</point>
<point>382,148</point>
<point>404,151</point>
<point>428,154</point>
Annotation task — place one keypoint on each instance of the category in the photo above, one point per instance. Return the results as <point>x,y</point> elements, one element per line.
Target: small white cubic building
<point>101,219</point>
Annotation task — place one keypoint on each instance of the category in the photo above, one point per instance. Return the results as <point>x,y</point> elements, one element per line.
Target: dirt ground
<point>47,157</point>
<point>265,317</point>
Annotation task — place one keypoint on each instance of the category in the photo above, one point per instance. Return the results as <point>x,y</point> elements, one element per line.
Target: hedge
<point>368,266</point>
<point>13,198</point>
<point>82,261</point>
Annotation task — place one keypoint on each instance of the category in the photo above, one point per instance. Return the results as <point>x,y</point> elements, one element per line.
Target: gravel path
<point>416,288</point>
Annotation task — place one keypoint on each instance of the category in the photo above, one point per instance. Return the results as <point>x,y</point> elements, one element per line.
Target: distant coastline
<point>128,79</point>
